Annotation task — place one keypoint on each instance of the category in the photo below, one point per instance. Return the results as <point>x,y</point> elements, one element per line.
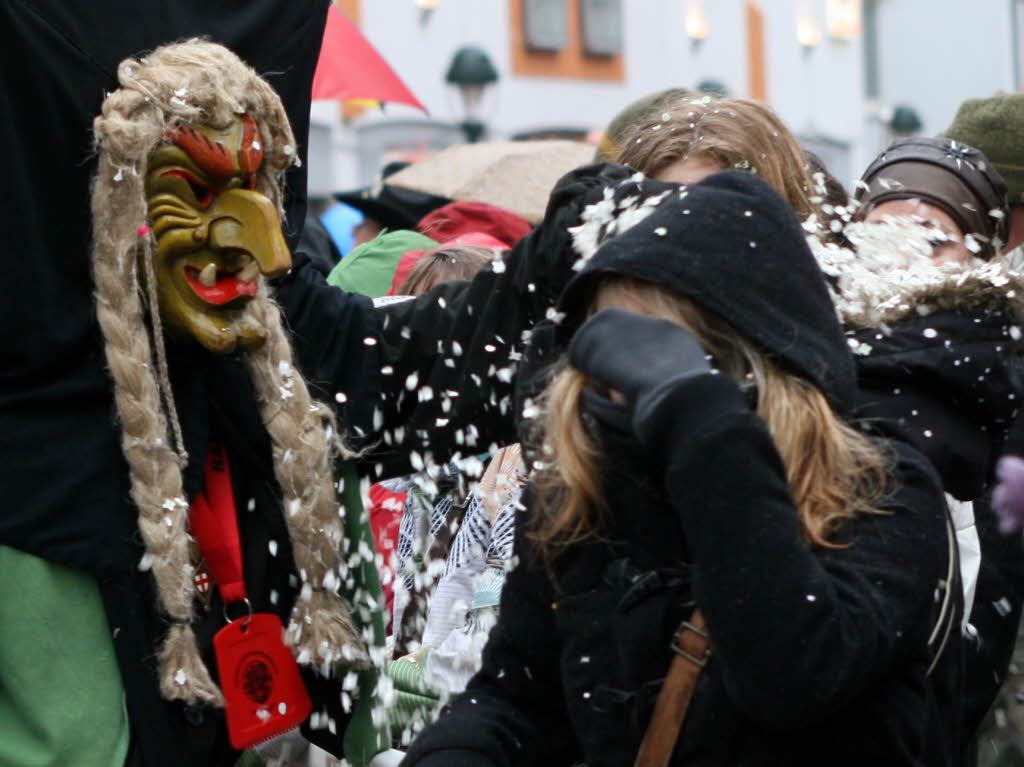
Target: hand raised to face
<point>641,357</point>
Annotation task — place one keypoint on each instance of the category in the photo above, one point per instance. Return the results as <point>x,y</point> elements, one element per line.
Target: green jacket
<point>61,699</point>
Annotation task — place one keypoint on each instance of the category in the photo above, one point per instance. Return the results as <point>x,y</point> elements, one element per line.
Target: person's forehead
<point>689,169</point>
<point>913,207</point>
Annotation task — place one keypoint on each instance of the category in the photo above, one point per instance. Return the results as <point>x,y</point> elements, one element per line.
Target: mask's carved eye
<point>202,193</point>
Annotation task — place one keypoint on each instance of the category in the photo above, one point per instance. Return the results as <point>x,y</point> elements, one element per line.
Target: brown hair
<point>733,133</point>
<point>201,82</point>
<point>454,262</point>
<point>833,470</point>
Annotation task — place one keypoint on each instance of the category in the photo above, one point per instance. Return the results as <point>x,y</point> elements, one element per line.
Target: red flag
<point>350,68</point>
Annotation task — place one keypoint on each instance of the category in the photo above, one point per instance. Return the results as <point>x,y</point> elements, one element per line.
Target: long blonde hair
<point>833,470</point>
<point>199,81</point>
<point>732,132</point>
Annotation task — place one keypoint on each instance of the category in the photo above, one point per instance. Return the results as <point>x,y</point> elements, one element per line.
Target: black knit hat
<point>393,207</point>
<point>734,247</point>
<point>946,173</point>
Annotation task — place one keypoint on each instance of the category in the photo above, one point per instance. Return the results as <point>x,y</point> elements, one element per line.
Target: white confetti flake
<point>554,315</point>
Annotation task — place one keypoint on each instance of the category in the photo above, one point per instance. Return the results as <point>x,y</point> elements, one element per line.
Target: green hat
<point>995,126</point>
<point>370,267</point>
<point>630,115</point>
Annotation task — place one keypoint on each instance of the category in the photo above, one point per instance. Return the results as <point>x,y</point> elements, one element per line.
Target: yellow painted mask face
<point>214,235</point>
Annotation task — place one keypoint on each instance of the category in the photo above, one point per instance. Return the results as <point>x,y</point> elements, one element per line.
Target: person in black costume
<point>819,556</point>
<point>69,498</point>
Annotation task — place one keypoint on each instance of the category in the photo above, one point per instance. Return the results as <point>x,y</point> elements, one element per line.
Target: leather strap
<point>691,646</point>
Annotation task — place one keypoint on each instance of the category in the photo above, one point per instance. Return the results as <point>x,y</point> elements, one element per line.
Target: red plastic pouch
<point>263,690</point>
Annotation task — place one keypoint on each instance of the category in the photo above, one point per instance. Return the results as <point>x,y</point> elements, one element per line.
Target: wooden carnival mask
<point>214,235</point>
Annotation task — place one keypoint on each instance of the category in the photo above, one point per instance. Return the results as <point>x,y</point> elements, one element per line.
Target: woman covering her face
<point>696,456</point>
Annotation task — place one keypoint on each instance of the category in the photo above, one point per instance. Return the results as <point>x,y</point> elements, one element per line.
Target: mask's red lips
<point>226,288</point>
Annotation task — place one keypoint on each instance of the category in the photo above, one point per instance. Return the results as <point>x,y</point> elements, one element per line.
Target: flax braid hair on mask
<point>204,83</point>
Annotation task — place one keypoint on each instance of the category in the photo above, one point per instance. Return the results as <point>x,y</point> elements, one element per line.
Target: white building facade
<point>832,69</point>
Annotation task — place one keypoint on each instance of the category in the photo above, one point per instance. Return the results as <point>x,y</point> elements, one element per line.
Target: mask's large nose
<point>247,221</point>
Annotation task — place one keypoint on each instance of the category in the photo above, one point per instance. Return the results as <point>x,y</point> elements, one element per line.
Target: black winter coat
<point>819,656</point>
<point>952,382</point>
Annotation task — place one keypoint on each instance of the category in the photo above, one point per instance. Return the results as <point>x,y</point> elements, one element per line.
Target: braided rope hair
<point>200,82</point>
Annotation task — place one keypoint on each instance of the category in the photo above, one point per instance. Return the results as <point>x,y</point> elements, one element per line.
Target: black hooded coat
<point>819,655</point>
<point>952,382</point>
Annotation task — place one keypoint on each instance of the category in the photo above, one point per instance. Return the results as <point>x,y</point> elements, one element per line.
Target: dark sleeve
<point>335,336</point>
<point>513,711</point>
<point>450,356</point>
<point>798,632</point>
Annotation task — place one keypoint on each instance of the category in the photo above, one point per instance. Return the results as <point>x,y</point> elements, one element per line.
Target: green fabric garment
<point>363,738</point>
<point>991,125</point>
<point>61,698</point>
<point>370,267</point>
<point>415,699</point>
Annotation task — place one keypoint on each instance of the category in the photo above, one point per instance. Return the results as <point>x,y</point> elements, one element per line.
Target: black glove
<point>642,357</point>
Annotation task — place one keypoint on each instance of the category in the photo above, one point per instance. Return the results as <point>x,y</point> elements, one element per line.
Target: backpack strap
<point>947,612</point>
<point>692,647</point>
